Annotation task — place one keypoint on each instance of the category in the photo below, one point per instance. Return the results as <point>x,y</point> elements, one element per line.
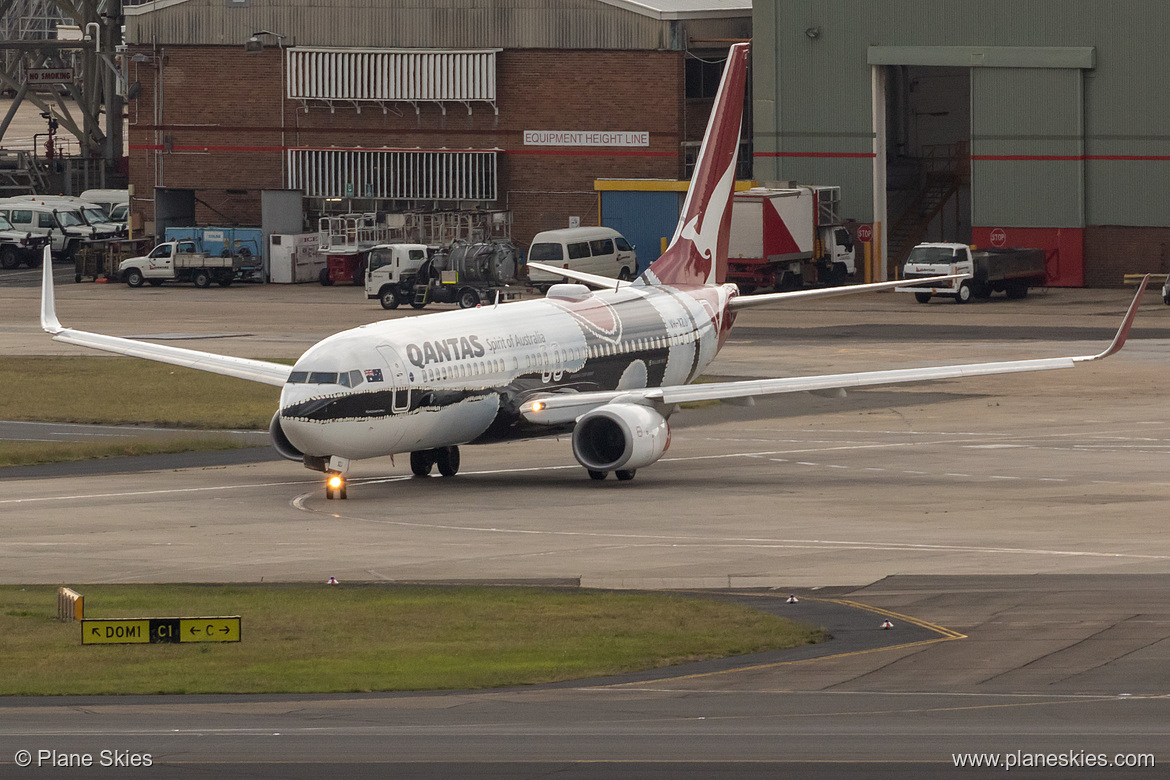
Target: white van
<point>595,250</point>
<point>64,227</point>
<point>91,214</point>
<point>107,199</point>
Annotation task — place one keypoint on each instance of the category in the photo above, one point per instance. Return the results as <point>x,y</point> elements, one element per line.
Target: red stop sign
<point>864,233</point>
<point>999,237</point>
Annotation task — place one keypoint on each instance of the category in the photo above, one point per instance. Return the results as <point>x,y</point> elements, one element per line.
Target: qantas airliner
<point>602,360</point>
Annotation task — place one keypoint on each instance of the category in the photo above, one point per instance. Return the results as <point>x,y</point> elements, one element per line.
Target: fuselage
<point>460,377</point>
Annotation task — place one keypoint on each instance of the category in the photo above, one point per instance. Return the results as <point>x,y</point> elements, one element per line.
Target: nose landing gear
<point>335,486</point>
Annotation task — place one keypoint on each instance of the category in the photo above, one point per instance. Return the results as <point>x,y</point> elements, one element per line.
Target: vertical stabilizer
<point>698,251</point>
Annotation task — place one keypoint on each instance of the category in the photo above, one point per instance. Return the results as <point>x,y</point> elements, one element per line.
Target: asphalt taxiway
<point>1018,521</point>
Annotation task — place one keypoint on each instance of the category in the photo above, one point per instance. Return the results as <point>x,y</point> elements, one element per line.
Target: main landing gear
<point>623,475</point>
<point>334,486</point>
<point>446,458</point>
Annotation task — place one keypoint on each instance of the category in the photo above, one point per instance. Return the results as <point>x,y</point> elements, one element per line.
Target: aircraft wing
<point>242,368</point>
<point>748,301</point>
<point>593,280</point>
<point>555,409</point>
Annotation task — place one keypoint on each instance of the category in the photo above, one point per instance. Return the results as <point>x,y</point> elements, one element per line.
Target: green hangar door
<point>1028,164</point>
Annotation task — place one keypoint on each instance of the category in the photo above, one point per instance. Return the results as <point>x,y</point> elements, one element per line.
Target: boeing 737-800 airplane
<point>607,365</point>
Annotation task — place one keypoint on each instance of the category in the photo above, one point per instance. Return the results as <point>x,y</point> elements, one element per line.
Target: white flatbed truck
<point>1011,271</point>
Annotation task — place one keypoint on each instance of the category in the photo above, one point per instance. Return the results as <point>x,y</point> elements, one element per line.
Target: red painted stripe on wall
<point>559,152</point>
<point>869,155</point>
<point>1071,157</point>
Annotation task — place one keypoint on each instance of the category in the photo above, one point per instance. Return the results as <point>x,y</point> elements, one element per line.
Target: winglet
<point>1126,324</point>
<point>48,302</point>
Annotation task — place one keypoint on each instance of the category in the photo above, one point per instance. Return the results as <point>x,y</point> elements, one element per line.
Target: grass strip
<point>319,638</point>
<point>128,391</point>
<point>29,453</point>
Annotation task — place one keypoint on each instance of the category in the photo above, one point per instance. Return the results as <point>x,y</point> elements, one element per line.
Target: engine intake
<point>620,436</point>
<point>280,441</point>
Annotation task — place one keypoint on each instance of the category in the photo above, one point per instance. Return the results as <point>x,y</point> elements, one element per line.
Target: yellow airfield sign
<point>121,631</point>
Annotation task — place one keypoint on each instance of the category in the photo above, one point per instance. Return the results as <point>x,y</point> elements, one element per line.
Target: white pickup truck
<point>178,261</point>
<point>1011,271</point>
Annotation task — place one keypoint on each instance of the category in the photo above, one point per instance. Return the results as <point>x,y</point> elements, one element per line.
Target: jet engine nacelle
<point>280,441</point>
<point>620,436</point>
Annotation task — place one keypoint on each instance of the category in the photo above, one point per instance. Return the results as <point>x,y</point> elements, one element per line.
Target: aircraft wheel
<point>598,475</point>
<point>421,462</point>
<point>447,459</point>
<point>625,475</point>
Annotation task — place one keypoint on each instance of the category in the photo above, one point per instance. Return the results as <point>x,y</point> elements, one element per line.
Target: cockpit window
<point>345,378</point>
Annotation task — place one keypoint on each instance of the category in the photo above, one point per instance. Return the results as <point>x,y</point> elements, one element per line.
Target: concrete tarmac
<point>1020,516</point>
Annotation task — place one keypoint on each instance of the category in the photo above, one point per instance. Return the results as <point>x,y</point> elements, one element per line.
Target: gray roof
<point>443,24</point>
<point>685,9</point>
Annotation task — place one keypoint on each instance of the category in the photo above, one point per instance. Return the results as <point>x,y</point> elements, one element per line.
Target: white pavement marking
<point>128,494</point>
<point>664,540</point>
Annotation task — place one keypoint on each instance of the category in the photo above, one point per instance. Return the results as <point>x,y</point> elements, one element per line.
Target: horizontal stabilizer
<point>592,280</point>
<point>749,301</point>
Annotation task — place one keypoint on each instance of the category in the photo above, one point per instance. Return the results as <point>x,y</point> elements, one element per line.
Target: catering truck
<point>1011,271</point>
<point>788,238</point>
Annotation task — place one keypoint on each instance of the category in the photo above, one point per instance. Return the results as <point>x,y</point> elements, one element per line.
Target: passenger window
<point>601,247</point>
<point>623,245</point>
<point>546,253</point>
<point>579,250</point>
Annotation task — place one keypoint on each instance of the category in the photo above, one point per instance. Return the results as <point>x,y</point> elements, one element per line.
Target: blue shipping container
<point>221,241</point>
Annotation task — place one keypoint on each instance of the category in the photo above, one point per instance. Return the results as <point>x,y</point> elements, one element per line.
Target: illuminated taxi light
<point>537,406</point>
<point>335,482</point>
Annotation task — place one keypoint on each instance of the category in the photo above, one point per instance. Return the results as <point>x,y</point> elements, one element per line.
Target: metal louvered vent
<point>386,76</point>
<point>394,174</point>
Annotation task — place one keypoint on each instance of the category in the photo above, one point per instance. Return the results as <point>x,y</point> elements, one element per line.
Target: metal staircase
<point>945,170</point>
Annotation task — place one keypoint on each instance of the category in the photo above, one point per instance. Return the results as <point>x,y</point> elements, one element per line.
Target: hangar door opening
<point>928,157</point>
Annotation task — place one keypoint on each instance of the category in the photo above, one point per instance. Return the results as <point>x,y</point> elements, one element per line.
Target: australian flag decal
<point>373,375</point>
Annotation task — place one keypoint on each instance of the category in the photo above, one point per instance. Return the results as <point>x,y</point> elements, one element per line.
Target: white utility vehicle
<point>178,261</point>
<point>1011,271</point>
<point>391,272</point>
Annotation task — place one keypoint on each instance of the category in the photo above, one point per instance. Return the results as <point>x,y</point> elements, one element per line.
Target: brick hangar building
<point>426,105</point>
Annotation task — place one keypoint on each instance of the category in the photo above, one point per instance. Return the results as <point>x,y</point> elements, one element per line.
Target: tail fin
<point>698,252</point>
